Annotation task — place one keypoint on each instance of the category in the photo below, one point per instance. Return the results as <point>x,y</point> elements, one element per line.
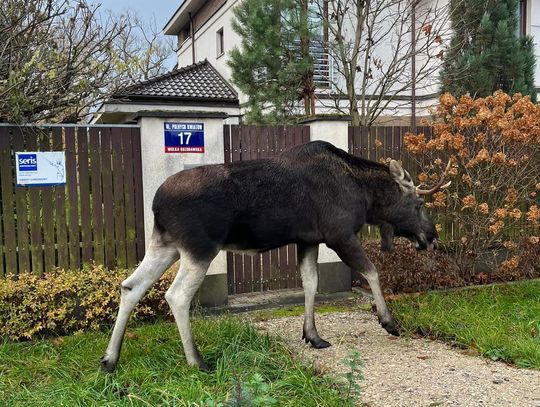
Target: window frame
<point>220,43</point>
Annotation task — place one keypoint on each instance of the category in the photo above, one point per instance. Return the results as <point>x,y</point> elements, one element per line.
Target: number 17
<point>181,135</point>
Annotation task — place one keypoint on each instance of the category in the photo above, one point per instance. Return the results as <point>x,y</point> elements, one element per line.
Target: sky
<point>162,10</point>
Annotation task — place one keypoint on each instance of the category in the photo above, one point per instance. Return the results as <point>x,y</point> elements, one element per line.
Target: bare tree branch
<point>60,58</point>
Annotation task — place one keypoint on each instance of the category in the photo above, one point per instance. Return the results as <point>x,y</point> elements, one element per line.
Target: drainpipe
<point>192,33</point>
<point>413,66</point>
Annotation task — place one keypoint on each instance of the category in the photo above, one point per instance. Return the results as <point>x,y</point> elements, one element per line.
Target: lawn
<point>501,322</point>
<point>152,371</point>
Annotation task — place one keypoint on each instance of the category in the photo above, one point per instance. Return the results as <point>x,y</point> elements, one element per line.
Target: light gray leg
<point>385,317</point>
<point>307,257</point>
<point>352,254</point>
<point>179,296</point>
<point>158,258</point>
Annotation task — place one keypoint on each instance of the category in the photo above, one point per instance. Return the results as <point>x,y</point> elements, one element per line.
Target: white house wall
<point>206,43</point>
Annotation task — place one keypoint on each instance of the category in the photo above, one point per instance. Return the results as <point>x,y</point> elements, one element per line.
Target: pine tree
<point>485,52</point>
<point>272,66</point>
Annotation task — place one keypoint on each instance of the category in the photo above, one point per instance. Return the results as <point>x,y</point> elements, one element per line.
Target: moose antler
<point>440,185</point>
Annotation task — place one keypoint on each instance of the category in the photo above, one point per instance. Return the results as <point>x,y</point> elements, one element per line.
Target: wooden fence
<point>97,216</point>
<point>276,269</point>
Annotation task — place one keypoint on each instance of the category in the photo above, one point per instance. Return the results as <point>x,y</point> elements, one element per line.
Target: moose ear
<point>401,176</point>
<point>396,170</point>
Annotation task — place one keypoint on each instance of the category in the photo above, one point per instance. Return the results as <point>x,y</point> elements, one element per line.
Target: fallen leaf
<point>58,341</point>
<point>132,335</point>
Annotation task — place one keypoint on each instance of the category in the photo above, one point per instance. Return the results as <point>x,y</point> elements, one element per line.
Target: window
<point>220,45</point>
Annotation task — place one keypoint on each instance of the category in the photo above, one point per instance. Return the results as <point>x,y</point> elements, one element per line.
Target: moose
<point>311,194</point>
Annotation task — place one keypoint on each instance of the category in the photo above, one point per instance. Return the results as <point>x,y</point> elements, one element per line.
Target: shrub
<point>65,302</point>
<point>494,146</point>
<point>407,270</point>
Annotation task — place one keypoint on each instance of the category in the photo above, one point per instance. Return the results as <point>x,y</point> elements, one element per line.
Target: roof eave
<point>142,98</point>
<point>181,16</point>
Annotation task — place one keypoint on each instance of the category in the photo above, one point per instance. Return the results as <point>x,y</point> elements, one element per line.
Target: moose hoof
<point>320,344</point>
<point>203,367</point>
<point>107,365</point>
<point>391,327</point>
<point>198,362</point>
<point>317,343</point>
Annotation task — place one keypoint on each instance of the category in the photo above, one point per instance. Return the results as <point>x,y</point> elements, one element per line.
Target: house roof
<point>198,82</point>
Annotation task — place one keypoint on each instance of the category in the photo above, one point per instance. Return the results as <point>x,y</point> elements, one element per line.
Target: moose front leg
<point>352,254</point>
<point>387,237</point>
<point>307,258</point>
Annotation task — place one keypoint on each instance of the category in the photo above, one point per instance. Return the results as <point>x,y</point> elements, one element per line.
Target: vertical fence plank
<point>21,203</point>
<point>350,140</point>
<point>138,185</point>
<point>129,201</point>
<point>60,208</point>
<point>47,210</point>
<point>238,273</point>
<point>275,278</point>
<point>230,273</point>
<point>118,192</point>
<point>108,216</point>
<point>364,136</point>
<point>97,207</point>
<point>227,142</point>
<point>292,277</point>
<point>6,168</point>
<point>73,200</point>
<point>84,194</point>
<point>388,142</point>
<point>34,195</point>
<point>359,142</point>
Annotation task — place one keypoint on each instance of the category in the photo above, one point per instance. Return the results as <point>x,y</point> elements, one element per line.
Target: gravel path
<point>409,372</point>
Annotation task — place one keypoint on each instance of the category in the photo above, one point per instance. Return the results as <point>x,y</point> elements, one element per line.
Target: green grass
<point>501,322</point>
<point>152,370</point>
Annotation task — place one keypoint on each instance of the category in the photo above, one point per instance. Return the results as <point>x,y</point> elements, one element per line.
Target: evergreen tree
<point>485,52</point>
<point>273,66</point>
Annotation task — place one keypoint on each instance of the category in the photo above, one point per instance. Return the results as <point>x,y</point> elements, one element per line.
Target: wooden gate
<point>276,269</point>
<point>97,216</point>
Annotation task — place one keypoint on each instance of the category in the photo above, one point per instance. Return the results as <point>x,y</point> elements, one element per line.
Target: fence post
<point>158,165</point>
<point>334,275</point>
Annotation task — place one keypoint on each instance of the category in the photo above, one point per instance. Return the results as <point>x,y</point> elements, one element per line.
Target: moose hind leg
<point>307,256</point>
<point>179,296</point>
<point>158,258</point>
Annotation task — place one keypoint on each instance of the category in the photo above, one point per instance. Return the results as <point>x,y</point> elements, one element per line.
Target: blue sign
<point>27,162</point>
<point>184,137</point>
